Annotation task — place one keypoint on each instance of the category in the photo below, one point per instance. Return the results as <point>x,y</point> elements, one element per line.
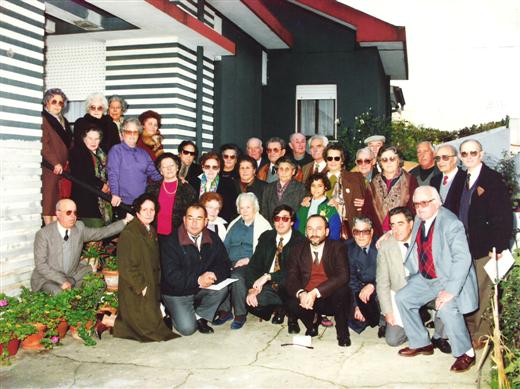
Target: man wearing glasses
<point>485,211</point>
<point>275,150</point>
<point>57,249</point>
<point>450,183</point>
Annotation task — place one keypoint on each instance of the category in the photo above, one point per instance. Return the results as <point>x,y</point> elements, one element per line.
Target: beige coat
<point>390,273</point>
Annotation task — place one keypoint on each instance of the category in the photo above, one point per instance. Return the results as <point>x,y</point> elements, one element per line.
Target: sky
<point>463,58</point>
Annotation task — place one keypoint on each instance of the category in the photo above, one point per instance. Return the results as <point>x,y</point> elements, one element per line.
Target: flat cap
<point>375,138</point>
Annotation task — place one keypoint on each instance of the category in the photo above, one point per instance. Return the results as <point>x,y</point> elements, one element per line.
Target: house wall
<point>21,93</point>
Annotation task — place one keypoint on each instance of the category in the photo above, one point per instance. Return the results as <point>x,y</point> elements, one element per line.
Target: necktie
<point>66,237</point>
<point>406,244</point>
<point>316,168</point>
<point>273,170</point>
<point>196,241</point>
<point>445,181</point>
<point>278,255</point>
<point>467,180</point>
<point>316,259</point>
<point>423,232</point>
<point>365,250</point>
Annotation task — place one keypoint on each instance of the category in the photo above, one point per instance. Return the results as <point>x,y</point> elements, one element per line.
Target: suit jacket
<point>227,190</point>
<point>308,169</point>
<point>353,187</point>
<point>48,252</point>
<point>452,259</point>
<point>257,187</point>
<point>390,273</point>
<point>263,257</point>
<point>335,264</point>
<point>452,200</point>
<point>292,196</point>
<point>263,172</point>
<point>362,268</point>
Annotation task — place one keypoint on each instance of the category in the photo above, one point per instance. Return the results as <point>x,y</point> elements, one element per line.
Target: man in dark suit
<point>255,150</point>
<point>267,269</point>
<point>450,183</point>
<point>317,280</point>
<point>317,145</point>
<point>298,145</point>
<point>485,211</point>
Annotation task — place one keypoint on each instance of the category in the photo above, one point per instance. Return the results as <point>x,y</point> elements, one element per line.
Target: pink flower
<point>55,339</point>
<point>4,303</point>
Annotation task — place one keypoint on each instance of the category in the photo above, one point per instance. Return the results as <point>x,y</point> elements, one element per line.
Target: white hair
<point>323,139</point>
<point>95,97</point>
<point>248,196</point>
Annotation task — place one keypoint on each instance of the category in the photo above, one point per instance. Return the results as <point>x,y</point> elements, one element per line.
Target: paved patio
<point>248,358</point>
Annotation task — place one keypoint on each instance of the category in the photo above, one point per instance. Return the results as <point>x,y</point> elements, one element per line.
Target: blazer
<point>48,252</point>
<point>307,170</point>
<point>292,196</point>
<point>390,273</point>
<point>335,264</point>
<point>257,187</point>
<point>229,195</point>
<point>263,172</point>
<point>452,259</point>
<point>362,268</point>
<point>353,187</point>
<point>452,201</point>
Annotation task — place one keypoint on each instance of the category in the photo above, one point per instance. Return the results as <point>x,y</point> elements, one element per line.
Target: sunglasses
<point>275,150</point>
<point>208,167</point>
<point>363,161</point>
<point>96,108</point>
<point>186,152</point>
<point>422,204</point>
<point>70,212</point>
<point>129,132</point>
<point>443,157</point>
<point>59,102</point>
<point>391,159</point>
<point>465,154</point>
<point>229,156</point>
<point>361,232</point>
<point>284,219</point>
<point>334,159</point>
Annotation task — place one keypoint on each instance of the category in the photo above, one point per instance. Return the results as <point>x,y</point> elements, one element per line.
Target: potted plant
<point>92,253</point>
<point>109,303</point>
<point>12,331</point>
<point>110,272</point>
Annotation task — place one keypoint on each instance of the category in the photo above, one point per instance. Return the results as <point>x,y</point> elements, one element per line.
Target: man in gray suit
<point>441,268</point>
<point>57,249</point>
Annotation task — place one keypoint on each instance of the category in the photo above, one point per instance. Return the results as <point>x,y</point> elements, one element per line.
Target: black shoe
<point>344,342</point>
<point>278,317</point>
<point>168,322</point>
<point>381,332</point>
<point>442,345</point>
<point>313,331</point>
<point>203,327</point>
<point>293,326</point>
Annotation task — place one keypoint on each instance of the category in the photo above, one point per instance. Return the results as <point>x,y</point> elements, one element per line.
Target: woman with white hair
<point>117,107</point>
<point>95,106</point>
<point>241,240</point>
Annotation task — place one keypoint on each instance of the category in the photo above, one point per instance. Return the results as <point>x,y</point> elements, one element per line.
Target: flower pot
<point>62,328</point>
<point>32,342</point>
<point>111,279</point>
<point>107,308</point>
<point>12,347</point>
<point>74,329</point>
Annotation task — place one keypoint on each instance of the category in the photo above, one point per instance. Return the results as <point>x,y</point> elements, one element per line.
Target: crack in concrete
<point>265,347</point>
<point>75,376</point>
<point>190,373</point>
<point>100,362</point>
<point>335,384</point>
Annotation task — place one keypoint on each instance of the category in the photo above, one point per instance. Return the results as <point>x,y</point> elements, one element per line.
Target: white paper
<point>504,264</point>
<point>395,310</point>
<point>222,284</point>
<point>302,340</point>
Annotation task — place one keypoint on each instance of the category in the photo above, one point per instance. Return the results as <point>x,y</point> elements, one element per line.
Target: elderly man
<point>317,280</point>
<point>267,270</point>
<point>193,258</point>
<point>255,150</point>
<point>426,169</point>
<point>317,145</point>
<point>450,183</point>
<point>298,145</point>
<point>375,142</point>
<point>485,211</point>
<point>366,164</point>
<point>440,267</point>
<point>275,150</point>
<point>57,249</point>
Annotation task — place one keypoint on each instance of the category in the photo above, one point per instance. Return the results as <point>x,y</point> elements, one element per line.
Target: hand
<point>366,292</point>
<point>242,262</point>
<point>384,237</point>
<point>358,203</point>
<point>116,200</point>
<point>207,279</point>
<point>333,203</point>
<point>66,285</point>
<point>144,291</point>
<point>58,169</point>
<point>442,298</point>
<point>261,282</point>
<point>358,315</point>
<point>307,302</point>
<point>306,202</point>
<point>251,299</point>
<point>128,218</point>
<point>105,188</point>
<point>390,319</point>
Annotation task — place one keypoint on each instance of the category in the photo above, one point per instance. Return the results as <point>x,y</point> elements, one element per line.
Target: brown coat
<point>353,187</point>
<point>308,169</point>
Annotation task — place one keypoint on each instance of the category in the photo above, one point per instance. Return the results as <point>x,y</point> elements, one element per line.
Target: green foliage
<point>110,299</point>
<point>110,263</point>
<point>507,167</point>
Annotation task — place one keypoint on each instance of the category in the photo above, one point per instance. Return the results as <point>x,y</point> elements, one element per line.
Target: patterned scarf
<point>203,183</point>
<point>99,159</point>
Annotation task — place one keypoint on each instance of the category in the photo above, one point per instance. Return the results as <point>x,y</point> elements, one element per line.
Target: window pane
<point>326,117</point>
<point>308,117</point>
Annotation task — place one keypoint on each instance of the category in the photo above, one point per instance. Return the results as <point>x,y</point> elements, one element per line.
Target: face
<point>66,214</point>
<point>425,205</point>
<point>211,169</point>
<point>317,189</point>
<point>401,228</point>
<point>230,159</point>
<point>213,209</point>
<point>246,171</point>
<point>96,108</point>
<point>316,231</point>
<point>283,222</point>
<point>363,234</point>
<point>298,144</point>
<point>425,156</point>
<point>187,154</point>
<point>389,163</point>
<point>247,210</point>
<point>471,155</point>
<point>255,150</point>
<point>115,110</point>
<point>130,135</point>
<point>334,162</point>
<point>146,213</point>
<point>274,151</point>
<point>195,221</point>
<point>375,146</point>
<point>365,163</point>
<point>55,105</point>
<point>447,161</point>
<point>92,140</point>
<point>285,172</point>
<point>168,169</point>
<point>150,126</point>
<point>316,148</point>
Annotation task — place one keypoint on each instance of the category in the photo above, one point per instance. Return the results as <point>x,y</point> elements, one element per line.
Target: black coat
<point>229,194</point>
<point>452,201</point>
<point>257,187</point>
<point>362,268</point>
<point>105,124</point>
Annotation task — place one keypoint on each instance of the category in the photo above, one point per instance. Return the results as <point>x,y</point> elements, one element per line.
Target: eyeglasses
<point>465,154</point>
<point>284,219</point>
<point>59,102</point>
<point>96,108</point>
<point>363,161</point>
<point>361,232</point>
<point>229,156</point>
<point>70,212</point>
<point>172,166</point>
<point>273,150</point>
<point>391,159</point>
<point>208,167</point>
<point>443,157</point>
<point>334,159</point>
<point>186,152</point>
<point>129,132</point>
<point>422,204</point>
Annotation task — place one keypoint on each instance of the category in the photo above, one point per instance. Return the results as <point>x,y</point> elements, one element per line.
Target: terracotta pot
<point>111,279</point>
<point>74,329</point>
<point>12,347</point>
<point>107,308</point>
<point>32,342</point>
<point>62,328</point>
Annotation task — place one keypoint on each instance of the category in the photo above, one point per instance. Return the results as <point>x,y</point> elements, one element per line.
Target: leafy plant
<point>110,263</point>
<point>10,325</point>
<point>507,167</point>
<point>110,299</point>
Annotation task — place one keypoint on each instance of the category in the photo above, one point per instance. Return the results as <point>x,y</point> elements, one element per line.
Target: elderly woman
<point>211,181</point>
<point>139,314</point>
<point>188,153</point>
<point>129,167</point>
<point>56,142</point>
<point>173,195</point>
<point>247,181</point>
<point>95,105</point>
<point>392,188</point>
<point>117,107</point>
<point>230,153</point>
<point>151,138</point>
<point>88,164</point>
<point>212,202</point>
<point>241,240</point>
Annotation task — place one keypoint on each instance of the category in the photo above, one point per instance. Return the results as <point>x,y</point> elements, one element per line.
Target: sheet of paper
<point>395,310</point>
<point>222,284</point>
<point>504,264</point>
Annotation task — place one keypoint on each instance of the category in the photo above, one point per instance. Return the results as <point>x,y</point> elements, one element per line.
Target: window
<point>316,109</point>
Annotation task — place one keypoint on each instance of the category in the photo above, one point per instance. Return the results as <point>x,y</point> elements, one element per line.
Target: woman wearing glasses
<point>95,105</point>
<point>188,153</point>
<point>230,154</point>
<point>56,142</point>
<point>210,180</point>
<point>392,188</point>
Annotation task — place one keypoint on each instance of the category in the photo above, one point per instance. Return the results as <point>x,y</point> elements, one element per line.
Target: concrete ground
<point>250,358</point>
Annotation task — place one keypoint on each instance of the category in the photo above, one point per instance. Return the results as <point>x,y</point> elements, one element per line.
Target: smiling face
<point>334,162</point>
<point>247,210</point>
<point>230,159</point>
<point>96,108</point>
<point>147,213</point>
<point>211,168</point>
<point>317,189</point>
<point>401,227</point>
<point>447,161</point>
<point>92,140</point>
<point>168,169</point>
<point>425,156</point>
<point>246,171</point>
<point>150,126</point>
<point>195,220</point>
<point>471,155</point>
<point>316,148</point>
<point>55,105</point>
<point>115,110</point>
<point>283,222</point>
<point>130,135</point>
<point>274,151</point>
<point>365,163</point>
<point>213,209</point>
<point>389,163</point>
<point>298,144</point>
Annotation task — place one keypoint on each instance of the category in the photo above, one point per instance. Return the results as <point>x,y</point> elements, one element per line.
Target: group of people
<point>299,235</point>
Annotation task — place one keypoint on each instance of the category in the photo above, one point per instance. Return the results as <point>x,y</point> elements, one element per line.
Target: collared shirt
<point>196,239</point>
<point>318,249</point>
<point>321,165</point>
<point>62,230</point>
<point>451,175</point>
<point>313,208</point>
<point>474,175</point>
<point>286,238</point>
<point>404,250</point>
<point>428,223</point>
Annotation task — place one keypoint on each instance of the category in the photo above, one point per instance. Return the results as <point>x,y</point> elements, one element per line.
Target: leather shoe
<point>203,327</point>
<point>313,331</point>
<point>344,342</point>
<point>222,318</point>
<point>293,326</point>
<point>238,323</point>
<point>278,317</point>
<point>381,332</point>
<point>412,352</point>
<point>463,363</point>
<point>442,345</point>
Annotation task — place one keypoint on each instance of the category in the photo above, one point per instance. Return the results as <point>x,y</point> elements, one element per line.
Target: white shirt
<point>62,230</point>
<point>450,175</point>
<point>286,238</point>
<point>474,175</point>
<point>321,165</point>
<point>314,249</point>
<point>404,250</point>
<point>196,241</point>
<point>428,223</point>
<point>313,208</point>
